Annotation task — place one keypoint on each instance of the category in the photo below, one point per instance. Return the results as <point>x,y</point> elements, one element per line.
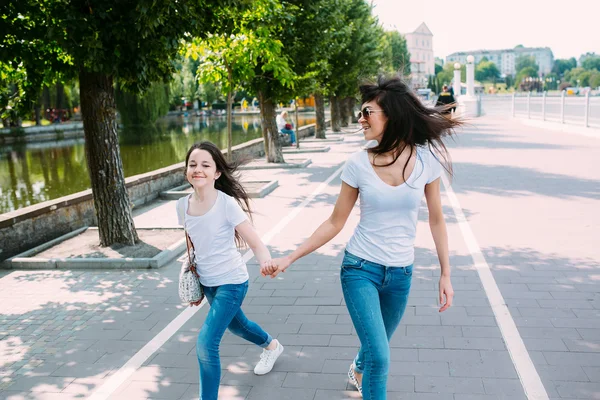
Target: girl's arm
<point>250,236</point>
<point>325,232</point>
<point>437,224</point>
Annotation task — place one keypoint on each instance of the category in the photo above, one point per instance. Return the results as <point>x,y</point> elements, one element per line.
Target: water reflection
<point>37,172</point>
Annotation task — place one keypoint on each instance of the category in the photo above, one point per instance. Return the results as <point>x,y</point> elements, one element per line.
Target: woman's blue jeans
<point>225,313</point>
<point>376,298</point>
<point>291,133</point>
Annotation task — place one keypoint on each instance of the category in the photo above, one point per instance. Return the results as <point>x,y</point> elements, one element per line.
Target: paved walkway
<point>530,201</point>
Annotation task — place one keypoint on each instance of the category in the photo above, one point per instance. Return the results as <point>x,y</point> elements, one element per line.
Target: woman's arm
<point>325,232</point>
<point>250,236</point>
<point>437,224</point>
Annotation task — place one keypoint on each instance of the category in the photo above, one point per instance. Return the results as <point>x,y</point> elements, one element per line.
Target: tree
<point>486,71</point>
<point>312,47</point>
<point>563,65</point>
<point>591,62</point>
<point>400,54</point>
<point>582,77</point>
<point>132,43</point>
<point>139,112</point>
<point>446,76</point>
<point>230,60</point>
<point>358,56</point>
<point>521,79</point>
<point>526,62</point>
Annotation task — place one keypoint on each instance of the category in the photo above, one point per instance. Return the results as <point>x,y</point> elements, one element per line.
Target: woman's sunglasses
<point>366,112</point>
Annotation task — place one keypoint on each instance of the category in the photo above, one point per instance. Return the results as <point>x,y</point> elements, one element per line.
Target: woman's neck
<point>207,193</point>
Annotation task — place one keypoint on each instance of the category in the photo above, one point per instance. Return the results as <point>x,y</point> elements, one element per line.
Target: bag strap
<point>188,241</point>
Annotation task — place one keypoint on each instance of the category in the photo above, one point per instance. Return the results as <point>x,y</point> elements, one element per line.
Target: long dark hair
<point>410,123</point>
<point>228,182</point>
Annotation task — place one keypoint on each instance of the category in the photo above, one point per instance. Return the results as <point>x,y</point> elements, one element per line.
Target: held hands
<point>447,292</point>
<point>274,267</point>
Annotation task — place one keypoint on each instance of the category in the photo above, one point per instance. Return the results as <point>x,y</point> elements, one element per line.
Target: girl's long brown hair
<point>228,182</point>
<point>410,123</point>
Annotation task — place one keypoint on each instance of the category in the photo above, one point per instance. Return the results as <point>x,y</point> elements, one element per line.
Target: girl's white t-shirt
<point>388,214</point>
<point>213,234</point>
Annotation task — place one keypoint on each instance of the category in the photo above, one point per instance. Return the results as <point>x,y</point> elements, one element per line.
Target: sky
<point>570,28</point>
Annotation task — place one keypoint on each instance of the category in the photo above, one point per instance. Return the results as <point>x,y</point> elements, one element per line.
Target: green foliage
<point>358,54</point>
<point>144,110</point>
<point>400,55</point>
<point>438,69</point>
<point>525,73</point>
<point>563,65</point>
<point>486,71</point>
<point>447,74</point>
<point>591,62</point>
<point>585,77</point>
<point>133,42</point>
<point>526,62</point>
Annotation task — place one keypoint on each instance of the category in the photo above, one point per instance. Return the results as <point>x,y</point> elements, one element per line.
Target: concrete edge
<point>170,253</point>
<point>24,262</point>
<point>301,150</point>
<point>305,163</point>
<point>179,191</point>
<point>26,255</point>
<point>314,140</point>
<point>265,189</point>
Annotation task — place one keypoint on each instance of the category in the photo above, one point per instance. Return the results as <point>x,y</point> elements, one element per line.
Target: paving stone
<point>315,380</point>
<point>448,385</point>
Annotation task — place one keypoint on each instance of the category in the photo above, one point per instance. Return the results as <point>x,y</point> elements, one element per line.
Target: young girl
<point>215,220</point>
<point>390,179</point>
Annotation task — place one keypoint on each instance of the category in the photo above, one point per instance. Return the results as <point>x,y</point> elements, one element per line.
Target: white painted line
<point>530,380</point>
<point>113,383</point>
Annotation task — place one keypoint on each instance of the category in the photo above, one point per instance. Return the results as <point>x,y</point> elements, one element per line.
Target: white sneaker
<point>267,359</point>
<point>353,379</point>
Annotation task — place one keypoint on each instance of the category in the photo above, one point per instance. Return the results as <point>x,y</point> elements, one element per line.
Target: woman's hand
<point>275,267</point>
<point>446,293</point>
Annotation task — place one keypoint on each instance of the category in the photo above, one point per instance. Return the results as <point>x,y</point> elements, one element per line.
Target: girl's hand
<point>195,303</point>
<point>447,292</point>
<point>267,268</point>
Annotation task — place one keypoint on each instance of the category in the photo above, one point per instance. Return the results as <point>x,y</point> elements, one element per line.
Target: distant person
<point>284,127</point>
<point>214,217</point>
<point>446,99</point>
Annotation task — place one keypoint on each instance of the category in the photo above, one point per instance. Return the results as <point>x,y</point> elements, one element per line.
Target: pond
<point>36,172</point>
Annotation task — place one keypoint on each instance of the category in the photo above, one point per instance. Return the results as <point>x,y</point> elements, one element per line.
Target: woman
<point>284,127</point>
<point>390,179</point>
<point>214,219</point>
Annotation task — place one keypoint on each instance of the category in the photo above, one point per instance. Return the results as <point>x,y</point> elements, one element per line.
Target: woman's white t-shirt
<point>388,214</point>
<point>213,235</point>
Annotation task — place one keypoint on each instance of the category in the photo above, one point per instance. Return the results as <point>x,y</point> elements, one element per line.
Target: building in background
<point>506,59</point>
<point>422,61</point>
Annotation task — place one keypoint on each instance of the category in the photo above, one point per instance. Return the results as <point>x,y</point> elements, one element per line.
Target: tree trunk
<point>320,110</point>
<point>344,115</point>
<point>46,99</point>
<point>60,96</point>
<point>270,131</point>
<point>229,103</point>
<point>38,114</point>
<point>297,127</point>
<point>350,102</point>
<point>335,114</point>
<point>111,200</point>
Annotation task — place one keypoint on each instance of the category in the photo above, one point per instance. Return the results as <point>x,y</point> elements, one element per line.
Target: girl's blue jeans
<point>225,313</point>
